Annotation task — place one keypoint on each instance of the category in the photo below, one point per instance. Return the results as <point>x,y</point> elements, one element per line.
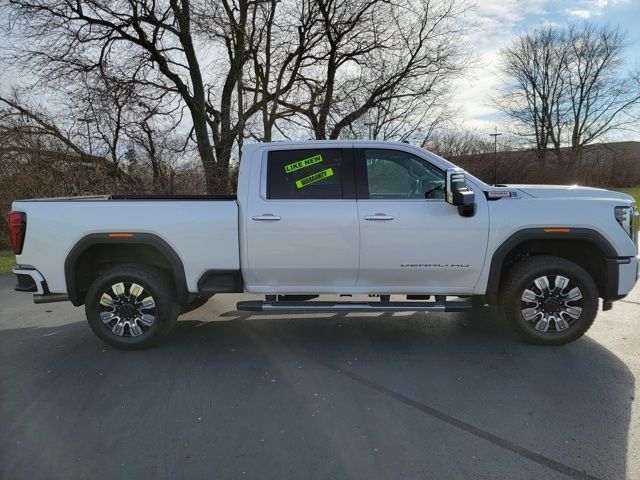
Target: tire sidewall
<point>166,307</point>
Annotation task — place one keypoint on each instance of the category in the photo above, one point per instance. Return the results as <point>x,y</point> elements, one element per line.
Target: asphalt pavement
<point>325,396</point>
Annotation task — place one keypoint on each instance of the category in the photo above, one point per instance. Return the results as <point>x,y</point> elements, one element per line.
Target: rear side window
<point>305,174</point>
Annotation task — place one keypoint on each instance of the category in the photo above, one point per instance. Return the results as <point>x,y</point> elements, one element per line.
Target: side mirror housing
<point>457,192</point>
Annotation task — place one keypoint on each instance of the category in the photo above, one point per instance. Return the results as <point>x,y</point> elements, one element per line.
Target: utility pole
<point>88,121</point>
<point>369,124</point>
<point>495,155</point>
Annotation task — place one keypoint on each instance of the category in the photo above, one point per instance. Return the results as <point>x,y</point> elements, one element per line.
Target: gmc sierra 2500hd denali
<point>334,217</point>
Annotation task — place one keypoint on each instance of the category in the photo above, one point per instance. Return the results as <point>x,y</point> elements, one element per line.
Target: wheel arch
<point>100,249</point>
<point>584,246</point>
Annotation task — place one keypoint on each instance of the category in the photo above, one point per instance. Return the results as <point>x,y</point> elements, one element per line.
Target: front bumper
<point>628,275</point>
<point>30,280</point>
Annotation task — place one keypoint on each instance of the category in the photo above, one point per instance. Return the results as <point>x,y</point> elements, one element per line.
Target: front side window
<point>393,174</point>
<point>305,174</point>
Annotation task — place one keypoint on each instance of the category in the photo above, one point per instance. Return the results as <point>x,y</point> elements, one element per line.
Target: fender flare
<point>148,239</point>
<point>527,234</point>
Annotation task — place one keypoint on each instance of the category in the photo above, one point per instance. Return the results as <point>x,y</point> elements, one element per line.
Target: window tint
<point>305,174</point>
<point>392,174</point>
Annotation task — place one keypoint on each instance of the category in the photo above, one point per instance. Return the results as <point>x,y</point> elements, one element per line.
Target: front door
<point>412,241</point>
<point>302,231</point>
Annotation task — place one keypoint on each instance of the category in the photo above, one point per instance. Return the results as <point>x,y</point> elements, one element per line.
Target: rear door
<point>302,230</point>
<point>412,241</point>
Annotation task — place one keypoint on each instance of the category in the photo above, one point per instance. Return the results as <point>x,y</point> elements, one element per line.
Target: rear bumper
<point>30,280</point>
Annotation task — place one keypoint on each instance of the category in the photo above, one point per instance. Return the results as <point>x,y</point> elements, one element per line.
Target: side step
<point>306,307</point>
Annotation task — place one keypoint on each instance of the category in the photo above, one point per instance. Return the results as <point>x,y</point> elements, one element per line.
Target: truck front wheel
<point>549,300</point>
<point>131,307</point>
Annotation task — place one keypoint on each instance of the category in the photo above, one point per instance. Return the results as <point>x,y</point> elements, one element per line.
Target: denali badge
<point>434,265</point>
<point>497,194</point>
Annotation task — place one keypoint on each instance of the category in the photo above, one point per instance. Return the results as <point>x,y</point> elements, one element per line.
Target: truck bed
<point>102,198</point>
<point>219,197</point>
<point>202,230</point>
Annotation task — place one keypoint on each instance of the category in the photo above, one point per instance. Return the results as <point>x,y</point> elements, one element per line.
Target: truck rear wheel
<point>131,307</point>
<point>549,300</point>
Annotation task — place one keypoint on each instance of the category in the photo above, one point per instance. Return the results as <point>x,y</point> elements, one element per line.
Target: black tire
<point>154,284</point>
<point>524,278</point>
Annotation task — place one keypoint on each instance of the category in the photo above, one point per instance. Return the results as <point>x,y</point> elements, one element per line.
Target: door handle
<point>266,217</point>
<point>379,216</point>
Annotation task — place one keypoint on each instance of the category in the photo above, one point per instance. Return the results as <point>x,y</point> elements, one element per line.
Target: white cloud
<point>579,13</point>
<point>510,10</point>
<point>592,8</point>
<point>606,3</point>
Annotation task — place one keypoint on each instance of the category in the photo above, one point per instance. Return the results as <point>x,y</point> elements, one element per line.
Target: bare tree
<point>123,113</point>
<point>410,119</point>
<point>233,63</point>
<point>601,97</point>
<point>566,85</point>
<point>157,44</point>
<point>44,153</point>
<point>284,35</point>
<point>402,119</point>
<point>535,68</point>
<point>106,106</point>
<point>20,123</point>
<point>457,143</point>
<point>155,143</point>
<point>40,156</point>
<point>374,52</point>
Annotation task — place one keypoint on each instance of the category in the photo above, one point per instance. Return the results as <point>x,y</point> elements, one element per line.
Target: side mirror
<point>457,192</point>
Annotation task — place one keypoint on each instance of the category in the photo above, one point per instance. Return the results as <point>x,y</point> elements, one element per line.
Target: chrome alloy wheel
<point>127,309</point>
<point>551,303</point>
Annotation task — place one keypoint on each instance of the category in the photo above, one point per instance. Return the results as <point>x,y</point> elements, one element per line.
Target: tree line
<point>220,72</point>
<point>132,94</point>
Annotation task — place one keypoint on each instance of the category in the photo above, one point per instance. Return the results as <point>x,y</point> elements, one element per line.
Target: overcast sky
<point>500,20</point>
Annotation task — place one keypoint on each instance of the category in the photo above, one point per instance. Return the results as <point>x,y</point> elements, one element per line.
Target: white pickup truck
<point>359,219</point>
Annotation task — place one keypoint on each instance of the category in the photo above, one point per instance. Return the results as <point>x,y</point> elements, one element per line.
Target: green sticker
<point>316,177</point>
<point>292,167</point>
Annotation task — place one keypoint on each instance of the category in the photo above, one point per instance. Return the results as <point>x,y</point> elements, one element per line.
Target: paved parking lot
<point>232,395</point>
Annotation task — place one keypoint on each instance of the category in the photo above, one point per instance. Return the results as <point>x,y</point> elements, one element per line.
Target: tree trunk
<point>205,150</point>
<point>221,167</point>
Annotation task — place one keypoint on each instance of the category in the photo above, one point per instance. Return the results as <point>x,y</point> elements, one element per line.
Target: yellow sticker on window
<point>316,177</point>
<point>307,162</point>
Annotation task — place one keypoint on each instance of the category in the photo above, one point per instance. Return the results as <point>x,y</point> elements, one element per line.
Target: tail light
<point>17,228</point>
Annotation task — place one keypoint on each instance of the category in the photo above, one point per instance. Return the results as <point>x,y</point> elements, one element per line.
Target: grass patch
<point>634,192</point>
<point>7,260</point>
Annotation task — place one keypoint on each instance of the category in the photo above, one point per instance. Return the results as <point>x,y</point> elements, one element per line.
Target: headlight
<point>626,218</point>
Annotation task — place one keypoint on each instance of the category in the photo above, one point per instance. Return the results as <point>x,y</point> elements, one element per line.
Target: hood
<point>570,191</point>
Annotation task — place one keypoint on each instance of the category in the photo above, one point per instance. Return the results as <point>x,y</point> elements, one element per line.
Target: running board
<point>311,306</point>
